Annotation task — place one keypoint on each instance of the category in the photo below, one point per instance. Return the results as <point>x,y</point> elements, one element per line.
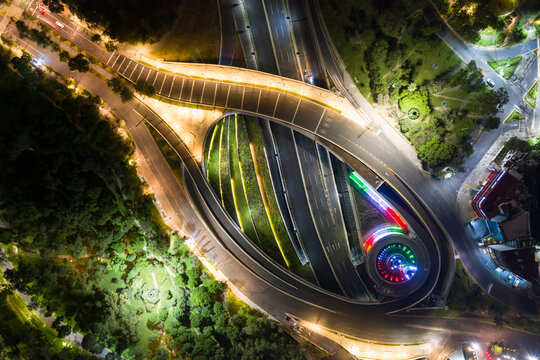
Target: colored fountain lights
<point>388,212</point>
<point>396,263</point>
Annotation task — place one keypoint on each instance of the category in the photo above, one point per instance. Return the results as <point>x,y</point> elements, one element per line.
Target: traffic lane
<point>309,54</point>
<point>356,143</point>
<point>244,34</point>
<point>72,32</point>
<point>226,50</point>
<point>282,106</point>
<point>279,191</point>
<point>331,233</point>
<point>486,333</point>
<point>330,184</point>
<point>285,52</point>
<point>261,36</point>
<point>307,233</point>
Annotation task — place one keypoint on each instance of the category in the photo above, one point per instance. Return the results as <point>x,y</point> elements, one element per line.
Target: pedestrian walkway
<point>3,23</point>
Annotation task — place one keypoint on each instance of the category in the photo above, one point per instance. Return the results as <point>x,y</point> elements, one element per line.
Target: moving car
<point>35,62</point>
<point>490,82</point>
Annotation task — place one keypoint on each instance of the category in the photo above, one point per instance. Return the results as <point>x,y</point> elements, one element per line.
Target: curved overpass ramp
<point>315,112</point>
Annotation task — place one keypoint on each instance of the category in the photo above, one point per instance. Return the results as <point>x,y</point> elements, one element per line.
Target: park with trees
<point>128,21</point>
<point>413,79</point>
<point>88,244</point>
<point>491,22</point>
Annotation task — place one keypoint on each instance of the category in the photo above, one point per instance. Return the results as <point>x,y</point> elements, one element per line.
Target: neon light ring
<point>397,263</point>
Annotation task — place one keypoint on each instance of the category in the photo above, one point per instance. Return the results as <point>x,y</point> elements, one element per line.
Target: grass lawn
<point>462,126</point>
<point>457,93</point>
<point>530,96</point>
<point>472,107</point>
<point>514,116</point>
<point>505,68</point>
<point>195,41</point>
<point>451,104</point>
<point>426,55</point>
<point>490,37</point>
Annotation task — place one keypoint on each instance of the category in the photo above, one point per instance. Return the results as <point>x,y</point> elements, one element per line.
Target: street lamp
<point>475,346</point>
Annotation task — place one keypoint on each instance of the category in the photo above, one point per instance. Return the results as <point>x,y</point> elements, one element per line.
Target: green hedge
<point>212,159</point>
<point>255,136</point>
<point>256,205</point>
<point>241,206</point>
<point>225,170</point>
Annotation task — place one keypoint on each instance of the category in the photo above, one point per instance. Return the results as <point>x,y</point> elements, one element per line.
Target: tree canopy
<point>128,21</point>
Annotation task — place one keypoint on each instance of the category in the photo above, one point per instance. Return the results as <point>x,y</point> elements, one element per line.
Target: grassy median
<point>212,159</point>
<point>225,169</point>
<point>256,204</point>
<point>530,96</point>
<point>238,171</point>
<point>505,68</point>
<point>239,195</point>
<point>276,221</point>
<point>514,116</point>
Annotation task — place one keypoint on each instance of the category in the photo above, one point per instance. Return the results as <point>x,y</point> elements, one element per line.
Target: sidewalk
<point>478,175</point>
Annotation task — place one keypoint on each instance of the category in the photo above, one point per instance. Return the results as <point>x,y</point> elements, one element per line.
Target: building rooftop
<point>520,261</point>
<point>501,194</point>
<point>516,228</point>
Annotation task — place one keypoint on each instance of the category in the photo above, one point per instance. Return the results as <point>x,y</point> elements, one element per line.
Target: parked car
<point>490,82</point>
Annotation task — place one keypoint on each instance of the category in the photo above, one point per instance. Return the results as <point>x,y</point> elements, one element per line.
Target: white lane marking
<point>136,65</point>
<point>110,57</point>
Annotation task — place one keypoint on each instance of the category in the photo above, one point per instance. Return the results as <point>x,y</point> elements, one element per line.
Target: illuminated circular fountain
<point>397,261</point>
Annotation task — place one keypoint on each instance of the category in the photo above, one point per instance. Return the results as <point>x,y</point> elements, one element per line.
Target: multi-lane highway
<point>326,213</point>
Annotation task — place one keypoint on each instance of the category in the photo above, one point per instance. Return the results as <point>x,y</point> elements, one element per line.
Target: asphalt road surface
<point>328,221</point>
